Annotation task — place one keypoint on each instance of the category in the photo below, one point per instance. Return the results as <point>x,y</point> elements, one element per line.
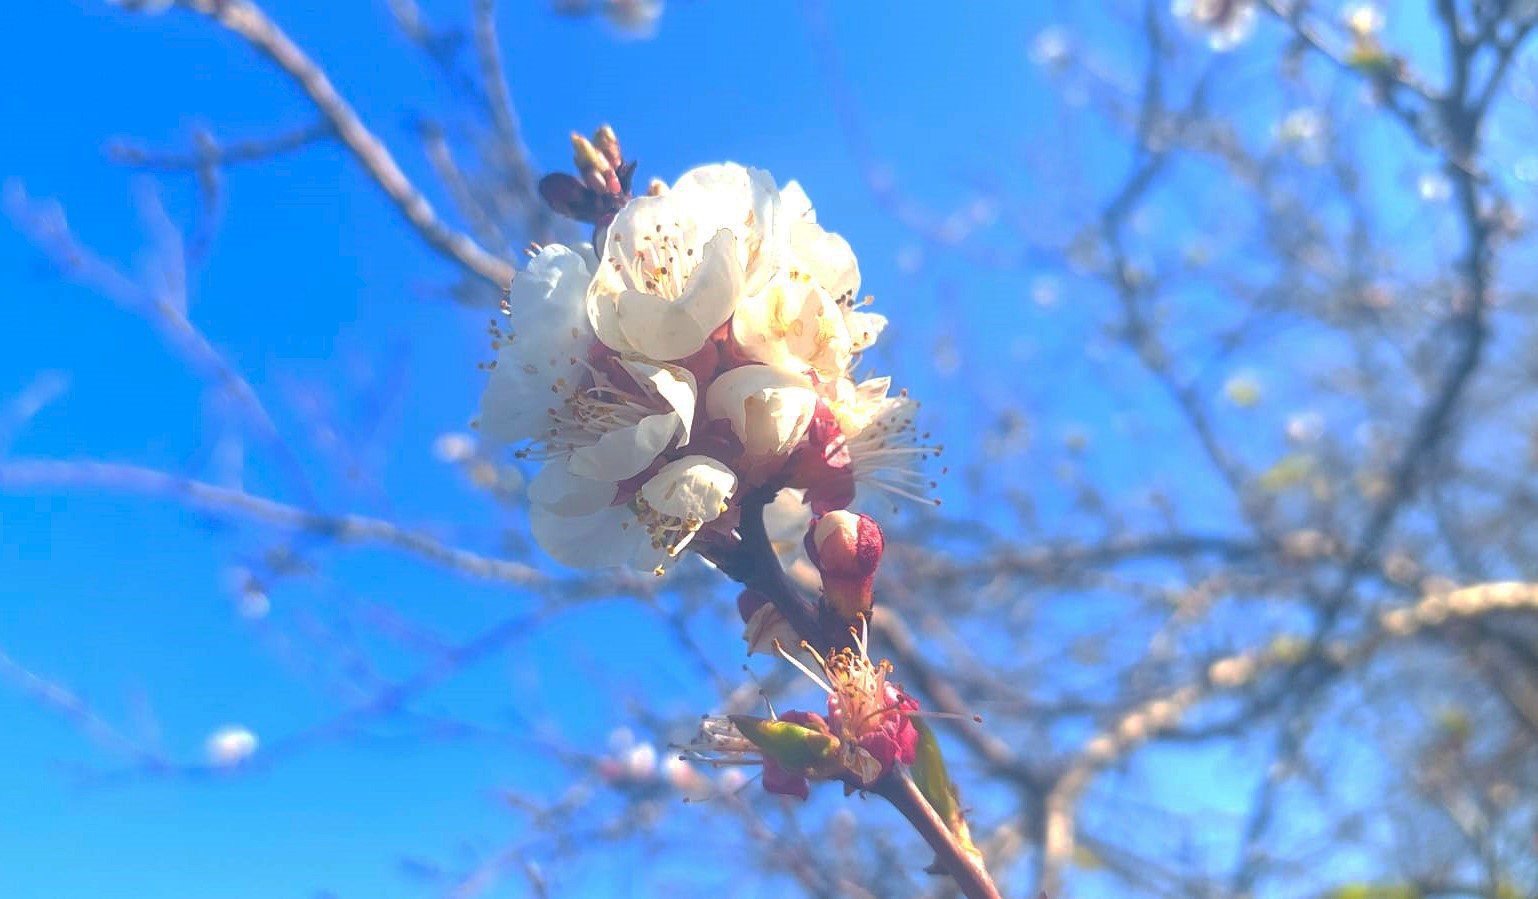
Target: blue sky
<point>316,289</point>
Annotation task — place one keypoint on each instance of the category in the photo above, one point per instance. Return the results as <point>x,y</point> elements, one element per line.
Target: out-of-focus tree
<point>1253,527</point>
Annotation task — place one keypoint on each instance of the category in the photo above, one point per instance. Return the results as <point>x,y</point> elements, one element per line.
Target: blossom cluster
<point>703,348</point>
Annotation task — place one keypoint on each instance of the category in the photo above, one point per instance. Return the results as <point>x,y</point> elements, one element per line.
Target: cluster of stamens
<point>669,533</point>
<point>661,264</point>
<point>885,451</point>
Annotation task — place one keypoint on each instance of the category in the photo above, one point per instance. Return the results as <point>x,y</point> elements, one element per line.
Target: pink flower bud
<point>846,548</point>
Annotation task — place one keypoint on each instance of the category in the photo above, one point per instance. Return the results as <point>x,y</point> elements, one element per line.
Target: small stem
<point>966,869</point>
<point>756,566</point>
<point>761,571</point>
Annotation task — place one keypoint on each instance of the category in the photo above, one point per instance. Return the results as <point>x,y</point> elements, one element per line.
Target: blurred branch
<point>209,151</point>
<point>247,20</point>
<point>1150,719</point>
<point>53,475</point>
<point>163,305</point>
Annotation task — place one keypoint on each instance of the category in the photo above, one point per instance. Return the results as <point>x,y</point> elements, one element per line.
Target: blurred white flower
<point>1363,19</point>
<point>1305,427</point>
<point>1433,187</point>
<point>641,761</point>
<point>633,18</point>
<point>1304,123</point>
<point>453,447</point>
<point>1226,23</point>
<point>230,745</point>
<point>621,739</point>
<point>680,773</point>
<point>1243,390</point>
<point>1051,48</point>
<point>253,604</point>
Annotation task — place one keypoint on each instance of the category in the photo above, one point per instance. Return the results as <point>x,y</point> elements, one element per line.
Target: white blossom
<point>585,530</point>
<point>230,745</point>
<point>723,290</point>
<point>540,360</point>
<point>768,408</point>
<point>675,265</point>
<point>1227,23</point>
<point>794,324</point>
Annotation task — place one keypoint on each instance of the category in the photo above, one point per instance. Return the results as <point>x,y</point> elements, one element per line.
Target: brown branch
<point>966,869</point>
<point>754,565</point>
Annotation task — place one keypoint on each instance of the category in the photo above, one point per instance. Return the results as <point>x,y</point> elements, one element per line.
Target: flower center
<point>585,415</point>
<point>660,263</point>
<point>668,533</point>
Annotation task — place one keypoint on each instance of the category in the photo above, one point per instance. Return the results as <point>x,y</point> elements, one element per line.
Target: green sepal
<point>934,781</point>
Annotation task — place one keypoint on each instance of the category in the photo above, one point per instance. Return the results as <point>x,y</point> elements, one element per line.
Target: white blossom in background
<point>1226,23</point>
<point>707,350</point>
<point>1363,19</point>
<point>633,18</point>
<point>230,745</point>
<point>454,447</point>
<point>1051,48</point>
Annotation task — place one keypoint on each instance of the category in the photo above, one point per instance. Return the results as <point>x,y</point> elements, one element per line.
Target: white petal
<point>672,329</point>
<point>863,328</point>
<point>793,324</point>
<point>827,257</point>
<point>603,312</point>
<point>795,205</point>
<point>563,493</point>
<point>694,488</point>
<point>672,384</point>
<point>769,408</point>
<point>745,200</point>
<point>549,336</point>
<point>766,628</point>
<point>625,452</point>
<point>608,537</point>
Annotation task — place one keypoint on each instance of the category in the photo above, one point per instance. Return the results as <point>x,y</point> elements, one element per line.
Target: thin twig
<point>210,152</point>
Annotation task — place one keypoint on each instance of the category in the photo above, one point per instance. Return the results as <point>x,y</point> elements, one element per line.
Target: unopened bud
<point>593,166</point>
<point>846,548</point>
<point>608,144</point>
<point>656,188</point>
